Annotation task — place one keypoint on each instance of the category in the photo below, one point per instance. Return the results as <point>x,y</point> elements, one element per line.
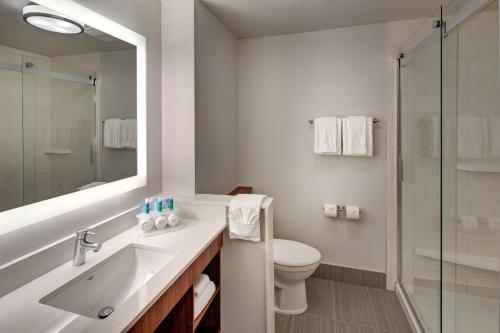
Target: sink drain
<point>106,312</point>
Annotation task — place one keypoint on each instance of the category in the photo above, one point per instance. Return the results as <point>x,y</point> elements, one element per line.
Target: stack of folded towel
<point>203,291</point>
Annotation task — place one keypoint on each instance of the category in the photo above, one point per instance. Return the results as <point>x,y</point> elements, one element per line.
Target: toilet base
<point>291,299</point>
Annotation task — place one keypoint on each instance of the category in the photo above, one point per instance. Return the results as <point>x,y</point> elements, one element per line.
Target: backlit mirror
<point>68,103</point>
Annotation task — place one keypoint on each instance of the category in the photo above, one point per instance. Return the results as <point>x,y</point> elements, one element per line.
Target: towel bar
<point>375,121</point>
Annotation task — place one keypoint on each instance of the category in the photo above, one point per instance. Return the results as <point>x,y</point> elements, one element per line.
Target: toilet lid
<point>291,253</point>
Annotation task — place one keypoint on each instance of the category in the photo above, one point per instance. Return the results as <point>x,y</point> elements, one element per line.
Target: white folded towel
<point>244,210</point>
<point>113,133</point>
<point>200,284</point>
<point>129,133</point>
<point>493,223</point>
<point>357,136</point>
<point>327,136</point>
<point>201,301</point>
<point>467,222</point>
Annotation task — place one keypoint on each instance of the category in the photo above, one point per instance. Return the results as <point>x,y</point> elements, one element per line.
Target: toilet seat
<point>294,254</point>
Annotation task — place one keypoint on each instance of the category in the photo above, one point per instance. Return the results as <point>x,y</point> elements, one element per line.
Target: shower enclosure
<point>449,169</point>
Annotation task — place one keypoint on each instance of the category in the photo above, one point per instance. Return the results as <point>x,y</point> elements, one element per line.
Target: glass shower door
<point>11,130</point>
<point>449,155</point>
<point>471,172</point>
<point>59,128</point>
<point>420,172</point>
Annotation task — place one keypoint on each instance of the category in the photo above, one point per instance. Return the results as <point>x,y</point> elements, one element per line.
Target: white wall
<point>178,96</point>
<point>282,82</point>
<point>216,132</point>
<point>118,101</point>
<point>144,19</point>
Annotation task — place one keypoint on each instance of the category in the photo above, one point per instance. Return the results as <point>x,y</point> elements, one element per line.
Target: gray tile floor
<point>337,307</point>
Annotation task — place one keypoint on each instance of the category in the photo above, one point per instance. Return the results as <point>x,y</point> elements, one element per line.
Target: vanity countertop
<point>22,312</point>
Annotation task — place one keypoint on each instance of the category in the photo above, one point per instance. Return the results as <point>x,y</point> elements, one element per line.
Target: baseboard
<point>351,275</point>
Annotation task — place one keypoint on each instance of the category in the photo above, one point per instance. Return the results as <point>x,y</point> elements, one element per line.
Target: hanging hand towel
<point>113,133</point>
<point>327,131</point>
<point>357,136</point>
<point>129,133</point>
<point>243,216</point>
<point>469,137</point>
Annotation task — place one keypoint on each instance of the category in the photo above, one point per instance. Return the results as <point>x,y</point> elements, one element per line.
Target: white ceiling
<point>256,18</point>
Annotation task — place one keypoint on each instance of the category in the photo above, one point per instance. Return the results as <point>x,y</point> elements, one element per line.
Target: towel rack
<point>375,121</point>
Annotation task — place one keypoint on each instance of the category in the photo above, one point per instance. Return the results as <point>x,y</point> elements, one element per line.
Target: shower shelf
<point>58,151</point>
<point>487,167</point>
<point>486,263</point>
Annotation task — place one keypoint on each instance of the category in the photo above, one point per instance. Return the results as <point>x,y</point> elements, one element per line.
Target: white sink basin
<point>110,283</point>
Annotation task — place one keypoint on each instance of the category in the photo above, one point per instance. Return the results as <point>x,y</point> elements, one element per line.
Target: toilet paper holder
<point>341,208</point>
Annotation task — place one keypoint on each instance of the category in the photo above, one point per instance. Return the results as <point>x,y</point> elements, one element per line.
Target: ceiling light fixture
<point>47,19</point>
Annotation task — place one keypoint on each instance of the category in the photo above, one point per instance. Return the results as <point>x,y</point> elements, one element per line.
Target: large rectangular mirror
<point>69,102</point>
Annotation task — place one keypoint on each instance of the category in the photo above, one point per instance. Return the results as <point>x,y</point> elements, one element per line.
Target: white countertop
<point>20,310</point>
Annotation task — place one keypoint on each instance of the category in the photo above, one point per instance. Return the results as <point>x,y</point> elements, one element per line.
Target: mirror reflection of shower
<point>68,108</point>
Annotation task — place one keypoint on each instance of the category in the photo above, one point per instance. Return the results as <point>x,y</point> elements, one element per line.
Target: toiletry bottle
<point>153,205</point>
<point>146,224</point>
<point>144,218</point>
<point>172,218</point>
<point>161,220</point>
<point>164,204</point>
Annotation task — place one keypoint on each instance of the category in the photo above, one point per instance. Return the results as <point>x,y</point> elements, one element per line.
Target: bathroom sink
<point>103,288</point>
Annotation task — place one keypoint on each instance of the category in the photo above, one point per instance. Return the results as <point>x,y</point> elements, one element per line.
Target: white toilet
<point>294,262</point>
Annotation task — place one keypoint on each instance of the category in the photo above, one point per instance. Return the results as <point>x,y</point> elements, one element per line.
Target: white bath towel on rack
<point>113,133</point>
<point>327,136</point>
<point>244,211</point>
<point>469,137</point>
<point>129,133</point>
<point>357,136</point>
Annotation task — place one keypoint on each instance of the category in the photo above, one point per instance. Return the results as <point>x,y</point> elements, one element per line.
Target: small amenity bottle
<point>161,220</point>
<point>172,218</point>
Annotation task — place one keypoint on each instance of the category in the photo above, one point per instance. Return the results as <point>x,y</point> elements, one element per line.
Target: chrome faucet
<point>82,245</point>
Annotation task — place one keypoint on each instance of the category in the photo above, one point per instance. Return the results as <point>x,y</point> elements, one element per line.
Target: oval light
<point>47,19</point>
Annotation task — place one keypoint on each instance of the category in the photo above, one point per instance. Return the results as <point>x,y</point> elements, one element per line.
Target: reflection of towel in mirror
<point>129,133</point>
<point>469,137</point>
<point>112,133</point>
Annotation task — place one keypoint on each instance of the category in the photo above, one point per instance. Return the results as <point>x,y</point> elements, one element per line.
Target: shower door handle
<point>400,169</point>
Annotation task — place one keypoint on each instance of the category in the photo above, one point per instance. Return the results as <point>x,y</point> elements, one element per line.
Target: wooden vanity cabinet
<point>173,312</point>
